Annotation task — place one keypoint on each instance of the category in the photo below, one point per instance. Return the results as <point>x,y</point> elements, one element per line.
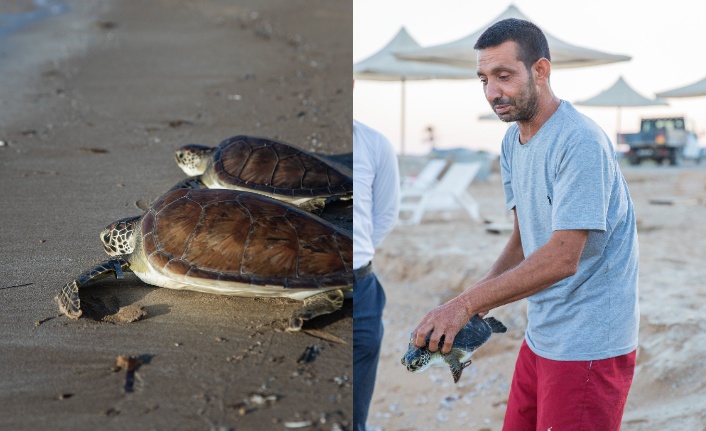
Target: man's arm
<point>511,255</point>
<point>551,263</point>
<point>386,192</point>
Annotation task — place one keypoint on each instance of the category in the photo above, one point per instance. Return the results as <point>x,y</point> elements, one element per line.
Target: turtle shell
<point>229,235</point>
<point>276,168</point>
<point>476,332</point>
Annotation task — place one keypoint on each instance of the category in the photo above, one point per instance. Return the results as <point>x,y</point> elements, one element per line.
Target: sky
<point>664,39</point>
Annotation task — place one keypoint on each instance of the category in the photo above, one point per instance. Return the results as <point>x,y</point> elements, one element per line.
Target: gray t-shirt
<point>567,177</point>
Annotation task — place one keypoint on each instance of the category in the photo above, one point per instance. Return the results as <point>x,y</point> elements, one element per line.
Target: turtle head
<point>417,360</point>
<point>119,238</point>
<point>193,159</point>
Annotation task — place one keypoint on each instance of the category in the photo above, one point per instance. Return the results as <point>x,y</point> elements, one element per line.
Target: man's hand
<point>444,320</point>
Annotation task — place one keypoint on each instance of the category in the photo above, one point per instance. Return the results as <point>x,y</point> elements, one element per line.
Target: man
<point>573,251</point>
<point>375,207</point>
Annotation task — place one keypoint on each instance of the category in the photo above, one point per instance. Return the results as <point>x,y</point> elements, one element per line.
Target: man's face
<point>508,85</point>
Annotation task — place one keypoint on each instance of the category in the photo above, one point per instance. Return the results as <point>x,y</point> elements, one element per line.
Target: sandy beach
<point>423,266</point>
<point>94,100</point>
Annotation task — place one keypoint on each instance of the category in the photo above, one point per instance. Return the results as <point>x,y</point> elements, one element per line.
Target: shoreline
<point>23,14</point>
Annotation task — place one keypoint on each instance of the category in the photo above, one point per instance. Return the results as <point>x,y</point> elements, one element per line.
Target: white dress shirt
<point>376,189</point>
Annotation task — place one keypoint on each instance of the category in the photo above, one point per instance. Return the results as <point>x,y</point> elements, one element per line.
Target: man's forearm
<point>511,256</point>
<point>508,259</point>
<point>550,264</point>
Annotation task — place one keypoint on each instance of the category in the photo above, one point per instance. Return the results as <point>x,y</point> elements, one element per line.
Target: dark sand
<point>93,103</point>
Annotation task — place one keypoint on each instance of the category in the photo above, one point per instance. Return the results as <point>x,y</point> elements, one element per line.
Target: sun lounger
<point>426,178</point>
<point>449,194</point>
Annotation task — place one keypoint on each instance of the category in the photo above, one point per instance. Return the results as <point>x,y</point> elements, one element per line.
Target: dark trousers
<point>368,302</point>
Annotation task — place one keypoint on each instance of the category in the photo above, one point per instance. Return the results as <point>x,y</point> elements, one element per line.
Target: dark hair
<point>531,42</point>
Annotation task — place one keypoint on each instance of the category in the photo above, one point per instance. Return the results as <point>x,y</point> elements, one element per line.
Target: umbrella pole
<point>402,124</point>
<point>618,127</point>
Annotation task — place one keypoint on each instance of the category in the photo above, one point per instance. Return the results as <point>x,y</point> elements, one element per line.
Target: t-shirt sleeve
<point>584,179</point>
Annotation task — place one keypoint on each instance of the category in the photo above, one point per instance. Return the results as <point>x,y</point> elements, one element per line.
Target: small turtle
<point>232,243</point>
<point>265,166</point>
<point>476,332</point>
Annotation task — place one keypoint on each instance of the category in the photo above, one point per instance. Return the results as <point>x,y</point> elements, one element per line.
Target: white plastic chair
<point>449,194</point>
<point>426,178</point>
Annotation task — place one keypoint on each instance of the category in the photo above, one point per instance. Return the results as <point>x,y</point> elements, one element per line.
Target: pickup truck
<point>661,139</point>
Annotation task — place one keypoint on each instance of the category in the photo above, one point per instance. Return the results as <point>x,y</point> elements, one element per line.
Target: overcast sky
<point>664,39</point>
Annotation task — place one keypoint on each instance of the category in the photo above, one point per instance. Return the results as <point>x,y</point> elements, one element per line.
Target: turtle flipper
<point>453,360</point>
<point>189,183</point>
<point>495,325</point>
<point>322,303</point>
<point>315,205</point>
<point>68,299</point>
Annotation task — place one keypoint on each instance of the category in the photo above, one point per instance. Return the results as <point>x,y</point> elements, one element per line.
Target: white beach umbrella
<point>620,95</point>
<point>692,90</point>
<point>384,66</point>
<point>460,52</point>
<point>697,89</point>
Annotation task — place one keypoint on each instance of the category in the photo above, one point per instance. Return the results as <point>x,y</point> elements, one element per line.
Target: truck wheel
<point>673,158</point>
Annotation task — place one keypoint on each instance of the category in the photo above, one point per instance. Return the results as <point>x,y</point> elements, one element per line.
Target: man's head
<point>513,64</point>
<point>531,42</point>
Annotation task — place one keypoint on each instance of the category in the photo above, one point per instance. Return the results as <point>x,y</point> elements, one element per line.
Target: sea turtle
<point>232,243</point>
<point>476,332</point>
<point>265,166</point>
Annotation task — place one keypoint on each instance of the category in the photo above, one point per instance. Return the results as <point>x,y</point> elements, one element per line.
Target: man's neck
<point>530,127</point>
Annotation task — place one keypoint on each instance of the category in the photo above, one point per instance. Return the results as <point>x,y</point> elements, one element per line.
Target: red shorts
<point>549,395</point>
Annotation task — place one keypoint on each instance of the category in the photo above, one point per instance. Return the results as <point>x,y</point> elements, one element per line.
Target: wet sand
<point>92,105</point>
<point>426,265</point>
